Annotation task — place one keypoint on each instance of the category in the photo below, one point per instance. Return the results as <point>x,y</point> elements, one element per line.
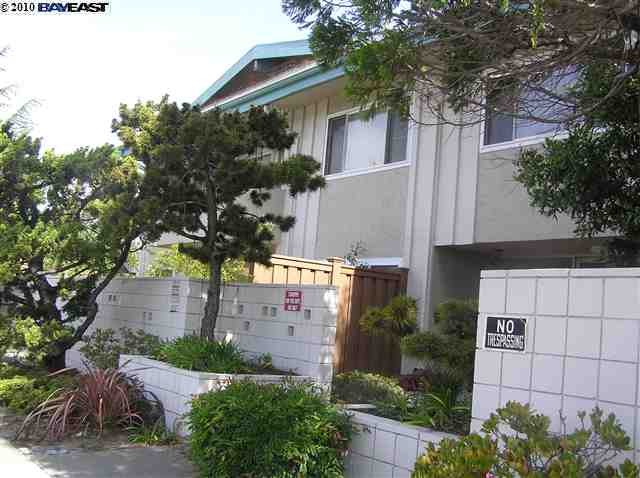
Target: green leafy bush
<point>196,353</point>
<point>515,441</point>
<point>23,391</point>
<point>452,340</point>
<point>434,377</point>
<point>445,411</point>
<point>396,319</point>
<point>361,387</point>
<point>265,431</point>
<point>104,346</point>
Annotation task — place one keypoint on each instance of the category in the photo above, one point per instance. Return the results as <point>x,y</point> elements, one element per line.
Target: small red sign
<point>293,300</point>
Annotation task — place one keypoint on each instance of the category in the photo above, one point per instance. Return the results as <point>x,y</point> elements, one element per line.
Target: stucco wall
<point>582,337</point>
<point>368,208</point>
<point>503,210</point>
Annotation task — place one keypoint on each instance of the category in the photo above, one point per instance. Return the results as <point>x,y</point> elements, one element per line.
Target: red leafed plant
<point>100,399</point>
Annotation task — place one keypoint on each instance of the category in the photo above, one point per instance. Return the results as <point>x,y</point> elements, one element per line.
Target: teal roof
<point>258,52</point>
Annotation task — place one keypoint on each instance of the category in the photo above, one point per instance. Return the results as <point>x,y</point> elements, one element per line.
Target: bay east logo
<point>73,7</point>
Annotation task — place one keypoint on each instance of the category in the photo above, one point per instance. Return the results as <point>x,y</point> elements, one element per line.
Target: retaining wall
<point>175,387</point>
<point>386,448</point>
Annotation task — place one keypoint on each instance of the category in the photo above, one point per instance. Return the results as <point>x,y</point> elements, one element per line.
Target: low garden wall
<point>386,448</point>
<point>579,347</point>
<point>175,387</point>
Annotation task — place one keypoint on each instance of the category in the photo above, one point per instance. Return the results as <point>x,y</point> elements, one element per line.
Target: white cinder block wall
<point>167,308</point>
<point>386,448</point>
<point>582,345</point>
<point>253,315</point>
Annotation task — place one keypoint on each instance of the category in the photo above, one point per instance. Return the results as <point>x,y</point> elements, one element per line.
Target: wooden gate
<point>359,289</point>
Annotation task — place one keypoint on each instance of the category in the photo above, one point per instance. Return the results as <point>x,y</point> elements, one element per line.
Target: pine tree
<point>204,167</point>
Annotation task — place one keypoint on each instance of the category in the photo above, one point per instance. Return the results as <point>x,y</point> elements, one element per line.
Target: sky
<point>81,67</point>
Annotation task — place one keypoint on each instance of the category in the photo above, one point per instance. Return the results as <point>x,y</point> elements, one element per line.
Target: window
<point>501,127</point>
<point>357,142</point>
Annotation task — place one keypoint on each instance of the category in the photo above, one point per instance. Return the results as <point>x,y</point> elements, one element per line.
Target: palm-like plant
<point>18,118</point>
<point>441,410</point>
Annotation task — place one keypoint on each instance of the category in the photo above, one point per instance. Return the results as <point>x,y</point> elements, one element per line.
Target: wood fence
<point>359,289</point>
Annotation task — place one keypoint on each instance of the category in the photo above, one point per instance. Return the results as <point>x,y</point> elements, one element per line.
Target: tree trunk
<point>55,362</point>
<point>208,326</point>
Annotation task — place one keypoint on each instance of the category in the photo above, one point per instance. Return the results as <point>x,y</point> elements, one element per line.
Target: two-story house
<point>438,200</point>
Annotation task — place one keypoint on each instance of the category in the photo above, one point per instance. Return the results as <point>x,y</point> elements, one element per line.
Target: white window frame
<point>356,172</point>
<point>518,142</point>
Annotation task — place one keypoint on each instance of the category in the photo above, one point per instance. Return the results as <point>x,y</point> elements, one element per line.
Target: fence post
<point>404,275</point>
<point>336,270</point>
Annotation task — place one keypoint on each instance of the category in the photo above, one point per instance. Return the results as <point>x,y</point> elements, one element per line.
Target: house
<point>438,200</point>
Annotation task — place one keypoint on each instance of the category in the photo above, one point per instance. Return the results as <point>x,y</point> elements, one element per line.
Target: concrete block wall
<point>386,448</point>
<point>583,332</point>
<point>167,308</point>
<point>253,315</point>
<point>176,387</point>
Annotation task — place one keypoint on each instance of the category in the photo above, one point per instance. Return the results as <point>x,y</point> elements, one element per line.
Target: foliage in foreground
<point>516,442</point>
<point>100,400</point>
<point>397,319</point>
<point>264,431</point>
<point>361,387</point>
<point>104,346</point>
<point>203,355</point>
<point>23,390</point>
<point>171,260</point>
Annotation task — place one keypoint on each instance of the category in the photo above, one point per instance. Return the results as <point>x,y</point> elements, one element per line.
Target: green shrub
<point>451,342</point>
<point>445,411</point>
<point>22,393</point>
<point>104,347</point>
<point>360,387</point>
<point>458,318</point>
<point>265,431</point>
<point>396,319</point>
<point>196,353</point>
<point>532,451</point>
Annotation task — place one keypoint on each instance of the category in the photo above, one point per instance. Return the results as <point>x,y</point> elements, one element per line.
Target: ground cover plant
<point>99,400</point>
<point>22,390</point>
<point>441,406</point>
<point>265,431</point>
<point>192,352</point>
<point>517,442</point>
<point>155,434</point>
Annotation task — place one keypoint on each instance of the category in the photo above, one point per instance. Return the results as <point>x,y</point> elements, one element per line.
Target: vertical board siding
<point>359,289</point>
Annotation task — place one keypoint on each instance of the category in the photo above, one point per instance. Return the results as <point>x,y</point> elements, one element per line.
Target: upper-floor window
<point>529,109</point>
<point>358,142</point>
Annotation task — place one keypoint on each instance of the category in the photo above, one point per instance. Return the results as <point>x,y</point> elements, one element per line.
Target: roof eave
<point>258,52</point>
<point>286,87</point>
